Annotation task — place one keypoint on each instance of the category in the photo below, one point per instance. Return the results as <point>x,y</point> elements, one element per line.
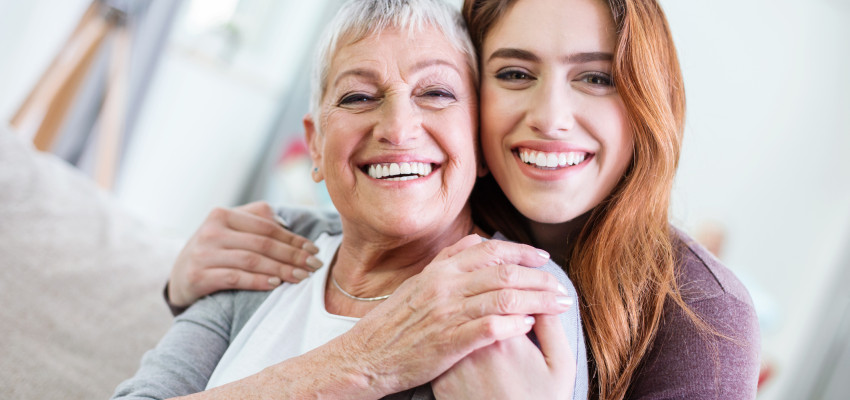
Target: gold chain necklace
<point>353,297</point>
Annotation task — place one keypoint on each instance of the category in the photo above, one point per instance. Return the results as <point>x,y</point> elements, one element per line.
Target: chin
<point>547,213</point>
<point>407,223</point>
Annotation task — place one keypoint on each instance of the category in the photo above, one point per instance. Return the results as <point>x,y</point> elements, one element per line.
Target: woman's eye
<point>354,99</point>
<point>598,79</point>
<point>440,94</point>
<point>513,75</point>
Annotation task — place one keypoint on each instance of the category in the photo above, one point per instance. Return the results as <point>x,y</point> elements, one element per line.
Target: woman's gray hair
<point>358,19</point>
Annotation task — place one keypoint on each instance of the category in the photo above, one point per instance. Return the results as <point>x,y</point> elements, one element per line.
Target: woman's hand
<point>515,368</point>
<point>472,295</point>
<point>239,248</point>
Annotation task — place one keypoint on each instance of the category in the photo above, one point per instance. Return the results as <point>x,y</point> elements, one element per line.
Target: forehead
<point>394,50</point>
<point>557,25</point>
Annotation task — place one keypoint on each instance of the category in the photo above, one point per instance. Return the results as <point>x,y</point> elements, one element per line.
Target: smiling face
<point>396,137</point>
<point>554,130</point>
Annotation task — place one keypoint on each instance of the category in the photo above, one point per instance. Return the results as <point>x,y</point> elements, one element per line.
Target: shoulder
<point>228,310</point>
<point>701,276</point>
<point>310,222</point>
<point>224,313</point>
<point>712,292</point>
<point>689,362</point>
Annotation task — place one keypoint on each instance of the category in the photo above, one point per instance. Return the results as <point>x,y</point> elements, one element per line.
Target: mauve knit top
<point>685,363</point>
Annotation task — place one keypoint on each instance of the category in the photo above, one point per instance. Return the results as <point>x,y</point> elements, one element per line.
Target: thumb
<point>461,245</point>
<point>554,343</point>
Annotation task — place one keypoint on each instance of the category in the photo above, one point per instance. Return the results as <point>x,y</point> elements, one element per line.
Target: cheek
<point>498,117</point>
<point>617,138</point>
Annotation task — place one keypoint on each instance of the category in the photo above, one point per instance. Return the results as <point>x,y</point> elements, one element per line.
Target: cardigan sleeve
<point>184,359</point>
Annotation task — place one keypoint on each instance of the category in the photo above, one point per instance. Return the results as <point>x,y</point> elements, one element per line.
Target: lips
<point>550,160</point>
<point>399,171</point>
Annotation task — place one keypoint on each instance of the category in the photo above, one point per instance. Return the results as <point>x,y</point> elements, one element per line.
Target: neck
<point>556,239</point>
<point>371,264</point>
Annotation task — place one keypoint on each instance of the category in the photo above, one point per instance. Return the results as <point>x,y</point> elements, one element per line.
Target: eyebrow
<point>372,75</point>
<point>361,72</point>
<point>575,58</point>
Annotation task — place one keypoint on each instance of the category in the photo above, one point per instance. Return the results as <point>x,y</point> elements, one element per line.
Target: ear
<point>315,142</point>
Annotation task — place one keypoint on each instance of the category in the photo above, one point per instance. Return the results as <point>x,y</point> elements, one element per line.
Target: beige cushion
<point>80,281</point>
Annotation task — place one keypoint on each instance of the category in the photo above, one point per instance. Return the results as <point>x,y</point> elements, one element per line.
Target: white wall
<point>31,32</point>
<point>767,132</point>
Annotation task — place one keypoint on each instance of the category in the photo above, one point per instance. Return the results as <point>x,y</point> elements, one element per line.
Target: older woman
<point>392,133</point>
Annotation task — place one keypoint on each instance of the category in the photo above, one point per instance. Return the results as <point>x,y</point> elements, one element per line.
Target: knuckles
<point>230,278</point>
<point>250,261</point>
<point>218,214</point>
<point>508,275</point>
<point>507,301</point>
<point>209,233</point>
<point>264,244</point>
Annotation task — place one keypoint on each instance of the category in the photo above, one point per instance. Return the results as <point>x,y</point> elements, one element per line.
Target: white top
<point>291,321</point>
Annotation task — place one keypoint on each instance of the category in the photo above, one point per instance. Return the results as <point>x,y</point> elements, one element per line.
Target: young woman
<point>581,127</point>
<point>582,111</point>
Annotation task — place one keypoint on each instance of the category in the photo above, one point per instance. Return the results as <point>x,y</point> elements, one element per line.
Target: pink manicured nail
<point>310,248</point>
<point>314,262</point>
<point>564,300</point>
<point>300,274</point>
<point>563,289</point>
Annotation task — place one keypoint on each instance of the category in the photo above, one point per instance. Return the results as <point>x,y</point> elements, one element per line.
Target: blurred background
<point>176,107</point>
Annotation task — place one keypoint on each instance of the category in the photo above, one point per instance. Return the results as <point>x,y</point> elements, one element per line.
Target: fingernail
<point>543,254</point>
<point>310,248</point>
<point>274,281</point>
<point>300,274</point>
<point>314,262</point>
<point>564,300</point>
<point>529,320</point>
<point>563,289</point>
<point>280,220</point>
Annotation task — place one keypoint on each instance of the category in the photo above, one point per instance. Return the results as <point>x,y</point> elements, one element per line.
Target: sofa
<point>80,280</point>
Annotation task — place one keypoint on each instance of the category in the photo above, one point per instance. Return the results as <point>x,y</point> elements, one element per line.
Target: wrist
<point>331,371</point>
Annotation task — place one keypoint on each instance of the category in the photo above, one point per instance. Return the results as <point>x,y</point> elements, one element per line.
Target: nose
<point>400,121</point>
<point>551,110</point>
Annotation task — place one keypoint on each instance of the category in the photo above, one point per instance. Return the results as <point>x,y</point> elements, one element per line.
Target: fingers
<point>258,208</point>
<point>255,263</point>
<point>270,248</point>
<point>229,278</point>
<point>483,332</point>
<point>509,276</point>
<point>494,252</point>
<point>250,223</point>
<point>553,342</point>
<point>462,244</point>
<point>516,302</point>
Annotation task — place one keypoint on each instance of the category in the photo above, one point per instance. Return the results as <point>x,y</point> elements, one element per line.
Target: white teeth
<point>551,160</point>
<point>399,171</point>
<point>562,159</point>
<point>540,160</point>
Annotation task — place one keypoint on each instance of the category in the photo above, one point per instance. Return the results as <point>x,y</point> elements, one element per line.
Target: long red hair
<point>622,260</point>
